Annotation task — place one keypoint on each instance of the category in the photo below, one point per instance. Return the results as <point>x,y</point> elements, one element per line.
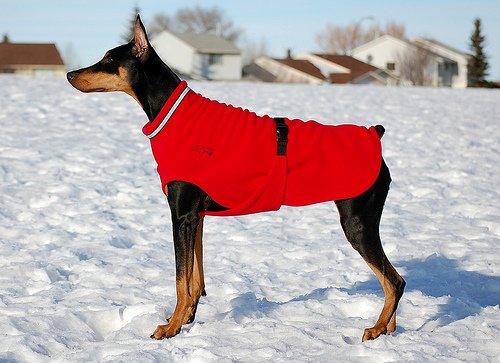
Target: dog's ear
<point>141,42</point>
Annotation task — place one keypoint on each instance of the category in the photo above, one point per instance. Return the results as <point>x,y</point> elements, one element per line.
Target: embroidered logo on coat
<point>203,150</point>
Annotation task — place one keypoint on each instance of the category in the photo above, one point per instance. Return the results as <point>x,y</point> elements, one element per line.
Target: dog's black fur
<point>136,69</point>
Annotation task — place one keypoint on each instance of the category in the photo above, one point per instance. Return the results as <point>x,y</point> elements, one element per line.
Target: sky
<point>87,28</point>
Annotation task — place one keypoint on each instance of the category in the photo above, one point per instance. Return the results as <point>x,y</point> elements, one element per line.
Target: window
<point>214,59</point>
<point>390,66</point>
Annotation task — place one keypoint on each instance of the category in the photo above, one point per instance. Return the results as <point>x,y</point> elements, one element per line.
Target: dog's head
<point>118,70</point>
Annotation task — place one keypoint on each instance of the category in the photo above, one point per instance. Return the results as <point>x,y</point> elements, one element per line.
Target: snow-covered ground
<point>86,253</point>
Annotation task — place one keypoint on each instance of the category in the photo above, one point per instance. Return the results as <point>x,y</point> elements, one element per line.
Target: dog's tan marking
<point>90,81</point>
<point>197,282</point>
<point>178,317</point>
<point>386,323</point>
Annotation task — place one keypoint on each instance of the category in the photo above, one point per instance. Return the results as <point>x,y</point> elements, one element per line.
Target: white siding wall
<point>386,50</point>
<point>458,80</point>
<point>181,56</point>
<point>35,70</point>
<point>461,80</point>
<point>174,52</point>
<point>229,68</point>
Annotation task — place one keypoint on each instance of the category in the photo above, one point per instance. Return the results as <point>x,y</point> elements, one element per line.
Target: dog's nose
<point>71,75</point>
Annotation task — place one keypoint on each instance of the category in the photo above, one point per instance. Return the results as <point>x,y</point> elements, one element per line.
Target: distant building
<point>445,66</point>
<point>286,70</point>
<point>199,56</point>
<point>343,69</point>
<point>450,65</point>
<point>30,58</point>
<point>317,69</point>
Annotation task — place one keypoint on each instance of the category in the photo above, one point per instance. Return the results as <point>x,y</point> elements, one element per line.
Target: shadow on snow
<point>467,292</point>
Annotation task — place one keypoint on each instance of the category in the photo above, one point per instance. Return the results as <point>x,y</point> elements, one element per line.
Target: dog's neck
<point>156,82</point>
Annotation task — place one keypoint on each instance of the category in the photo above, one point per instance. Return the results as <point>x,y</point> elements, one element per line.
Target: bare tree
<point>339,39</point>
<point>160,23</point>
<point>343,39</point>
<point>254,50</point>
<point>129,31</point>
<point>395,29</point>
<point>197,20</point>
<point>413,66</point>
<point>70,56</point>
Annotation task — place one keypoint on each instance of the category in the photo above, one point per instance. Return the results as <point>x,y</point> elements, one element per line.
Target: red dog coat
<point>230,153</point>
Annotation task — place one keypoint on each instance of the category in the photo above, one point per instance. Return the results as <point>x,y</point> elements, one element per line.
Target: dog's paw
<point>373,333</point>
<point>165,331</point>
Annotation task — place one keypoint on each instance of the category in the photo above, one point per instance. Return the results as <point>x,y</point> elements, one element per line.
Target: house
<point>422,62</point>
<point>452,64</point>
<point>199,55</point>
<point>284,70</point>
<point>30,58</point>
<point>346,69</point>
<point>317,69</point>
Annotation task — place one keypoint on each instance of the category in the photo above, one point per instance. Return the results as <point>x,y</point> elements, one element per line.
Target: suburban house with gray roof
<point>441,65</point>
<point>199,55</point>
<point>30,59</point>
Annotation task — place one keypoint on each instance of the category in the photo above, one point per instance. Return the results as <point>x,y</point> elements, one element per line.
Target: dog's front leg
<point>187,229</point>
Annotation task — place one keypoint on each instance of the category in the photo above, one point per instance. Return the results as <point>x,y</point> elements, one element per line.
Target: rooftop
<point>302,65</point>
<point>26,53</point>
<point>208,43</point>
<point>357,68</point>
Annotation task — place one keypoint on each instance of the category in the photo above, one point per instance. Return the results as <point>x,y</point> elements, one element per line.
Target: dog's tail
<point>380,130</point>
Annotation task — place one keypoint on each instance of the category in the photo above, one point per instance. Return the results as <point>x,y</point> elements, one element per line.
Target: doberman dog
<point>136,69</point>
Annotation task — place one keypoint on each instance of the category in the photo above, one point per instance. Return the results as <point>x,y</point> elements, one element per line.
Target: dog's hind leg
<point>360,219</point>
<point>197,281</point>
<point>187,226</point>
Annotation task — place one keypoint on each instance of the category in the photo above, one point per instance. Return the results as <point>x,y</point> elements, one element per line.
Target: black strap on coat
<point>281,134</point>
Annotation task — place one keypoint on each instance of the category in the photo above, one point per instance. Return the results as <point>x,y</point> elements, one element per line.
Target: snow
<point>87,265</point>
